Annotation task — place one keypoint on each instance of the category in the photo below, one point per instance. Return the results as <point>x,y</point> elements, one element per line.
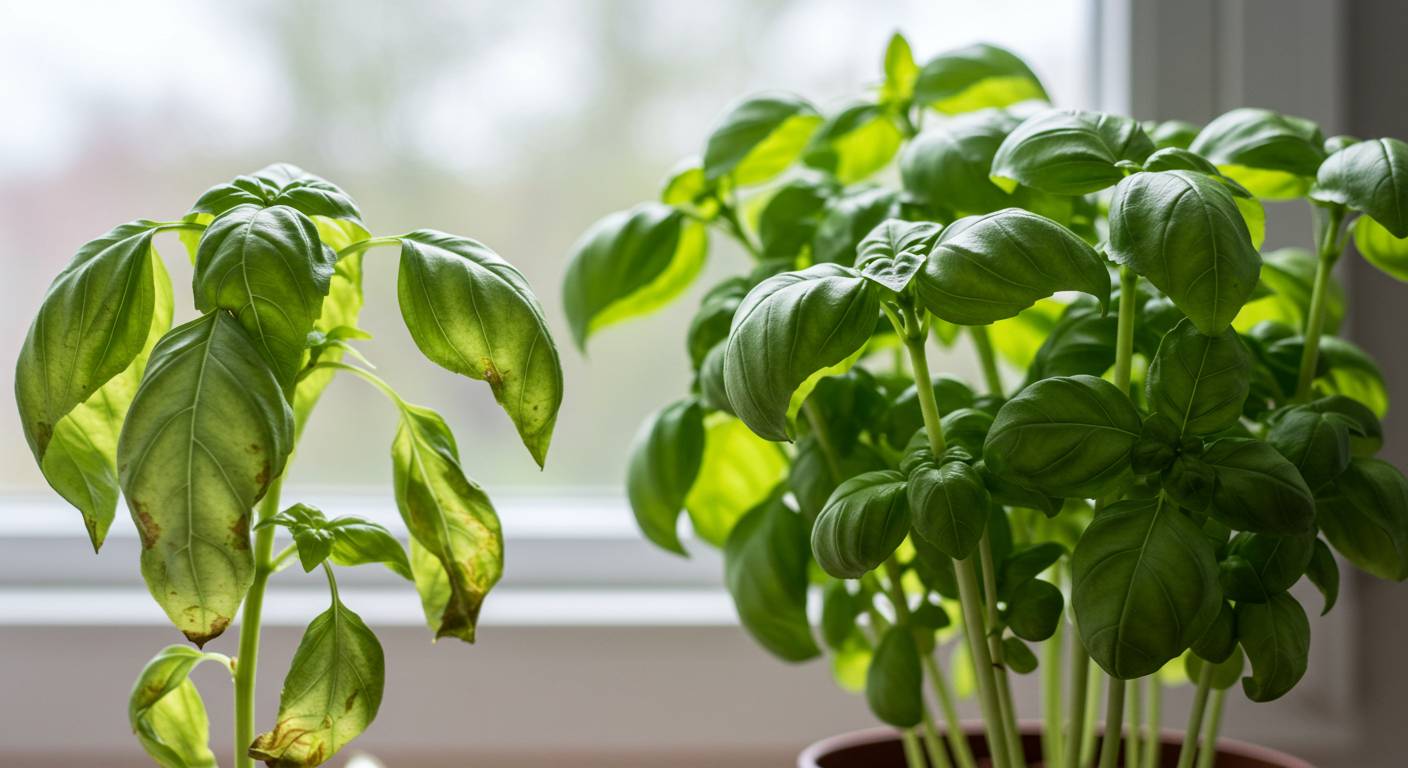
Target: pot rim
<point>811,756</point>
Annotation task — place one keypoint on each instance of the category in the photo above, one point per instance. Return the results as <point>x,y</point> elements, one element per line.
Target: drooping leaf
<point>1364,514</point>
<point>1145,586</point>
<point>1258,566</point>
<point>665,460</point>
<point>946,166</point>
<point>1064,436</point>
<point>1276,637</point>
<point>788,328</point>
<point>1018,657</point>
<point>976,77</point>
<point>765,570</point>
<point>1258,489</point>
<point>1219,641</point>
<point>166,712</point>
<point>988,268</point>
<point>270,268</point>
<point>894,684</point>
<point>450,519</point>
<point>1381,248</point>
<point>81,360</point>
<point>758,138</point>
<point>1069,152</point>
<point>207,431</point>
<point>1034,610</point>
<point>854,143</point>
<point>949,506</point>
<point>1370,177</point>
<point>629,264</point>
<point>473,313</point>
<point>1324,573</point>
<point>737,472</point>
<point>895,251</point>
<point>1274,156</point>
<point>1183,232</point>
<point>1200,382</point>
<point>862,524</point>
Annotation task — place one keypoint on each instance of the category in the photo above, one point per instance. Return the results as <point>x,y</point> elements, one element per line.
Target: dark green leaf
<point>207,431</point>
<point>1316,442</point>
<point>1220,639</point>
<point>1025,564</point>
<point>1258,566</point>
<point>1364,514</point>
<point>839,609</point>
<point>166,712</point>
<point>1082,342</point>
<point>848,219</point>
<point>854,143</point>
<point>788,328</point>
<point>346,540</point>
<point>1066,436</point>
<point>1287,278</point>
<point>893,686</point>
<point>1018,657</point>
<point>710,324</point>
<point>473,313</point>
<point>1371,177</point>
<point>1273,155</point>
<point>759,138</point>
<point>949,506</point>
<point>1224,674</point>
<point>1034,610</point>
<point>789,218</point>
<point>966,429</point>
<point>934,568</point>
<point>976,77</point>
<point>1200,382</point>
<point>862,524</point>
<point>987,268</point>
<point>1190,481</point>
<point>1276,636</point>
<point>1158,446</point>
<point>1348,370</point>
<point>1324,573</point>
<point>1182,230</point>
<point>665,459</point>
<point>1258,489</point>
<point>629,264</point>
<point>947,165</point>
<point>765,570</point>
<point>1145,586</point>
<point>1069,152</point>
<point>895,251</point>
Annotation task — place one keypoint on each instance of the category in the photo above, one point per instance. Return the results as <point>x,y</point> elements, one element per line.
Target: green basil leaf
<point>862,524</point>
<point>759,138</point>
<point>357,542</point>
<point>1184,232</point>
<point>1018,657</point>
<point>1017,340</point>
<point>1258,489</point>
<point>900,72</point>
<point>895,251</point>
<point>709,326</point>
<point>1288,275</point>
<point>712,391</point>
<point>1366,434</point>
<point>854,143</point>
<point>788,328</point>
<point>788,220</point>
<point>848,219</point>
<point>1025,564</point>
<point>966,428</point>
<point>1324,573</point>
<point>1364,514</point>
<point>1172,133</point>
<point>1316,442</point>
<point>1145,586</point>
<point>1349,371</point>
<point>1274,156</point>
<point>1371,177</point>
<point>207,431</point>
<point>976,77</point>
<point>331,693</point>
<point>282,184</point>
<point>1380,248</point>
<point>1219,641</point>
<point>1069,152</point>
<point>1158,447</point>
<point>629,264</point>
<point>765,569</point>
<point>166,712</point>
<point>665,460</point>
<point>893,686</point>
<point>949,506</point>
<point>839,610</point>
<point>946,167</point>
<point>1174,159</point>
<point>688,190</point>
<point>1066,436</point>
<point>270,268</point>
<point>341,308</point>
<point>1276,636</point>
<point>1200,382</point>
<point>988,268</point>
<point>739,470</point>
<point>473,313</point>
<point>1034,610</point>
<point>450,518</point>
<point>1258,566</point>
<point>1224,674</point>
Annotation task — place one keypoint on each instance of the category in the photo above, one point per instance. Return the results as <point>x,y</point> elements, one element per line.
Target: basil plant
<point>195,426</point>
<point>1177,439</point>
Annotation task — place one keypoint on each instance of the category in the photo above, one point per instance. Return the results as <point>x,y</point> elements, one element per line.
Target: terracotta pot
<point>880,748</point>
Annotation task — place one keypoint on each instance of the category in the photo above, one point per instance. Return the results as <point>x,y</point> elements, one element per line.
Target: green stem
<point>1095,687</point>
<point>1015,752</point>
<point>938,756</point>
<point>371,242</point>
<point>180,226</point>
<point>913,756</point>
<point>1328,249</point>
<point>728,214</point>
<point>1195,718</point>
<point>246,663</point>
<point>1114,724</point>
<point>1134,696</point>
<point>957,739</point>
<point>1153,738</point>
<point>1124,340</point>
<point>982,342</point>
<point>1208,754</point>
<point>1076,704</point>
<point>1051,743</point>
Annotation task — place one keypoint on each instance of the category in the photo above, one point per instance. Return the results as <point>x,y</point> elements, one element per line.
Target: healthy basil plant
<point>195,427</point>
<point>1187,440</point>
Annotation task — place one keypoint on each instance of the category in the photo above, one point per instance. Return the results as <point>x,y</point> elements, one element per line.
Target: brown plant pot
<point>881,748</point>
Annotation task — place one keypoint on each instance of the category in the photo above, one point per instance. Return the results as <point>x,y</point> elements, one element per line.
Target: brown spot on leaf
<point>217,628</point>
<point>43,433</point>
<point>262,478</point>
<point>347,706</point>
<point>491,375</point>
<point>239,532</point>
<point>254,448</point>
<point>146,526</point>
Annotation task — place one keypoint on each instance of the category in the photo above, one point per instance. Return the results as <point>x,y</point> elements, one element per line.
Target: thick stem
<point>1114,724</point>
<point>1152,738</point>
<point>1195,718</point>
<point>1001,681</point>
<point>982,342</point>
<point>1134,696</point>
<point>957,740</point>
<point>1051,741</point>
<point>247,662</point>
<point>1328,251</point>
<point>1208,754</point>
<point>1076,704</point>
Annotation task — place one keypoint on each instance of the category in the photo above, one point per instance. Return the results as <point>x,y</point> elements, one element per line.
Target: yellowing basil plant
<point>195,427</point>
<point>1186,437</point>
